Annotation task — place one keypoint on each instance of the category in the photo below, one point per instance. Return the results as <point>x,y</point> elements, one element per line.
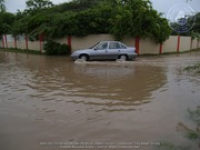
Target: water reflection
<point>93,83</point>
<point>123,82</point>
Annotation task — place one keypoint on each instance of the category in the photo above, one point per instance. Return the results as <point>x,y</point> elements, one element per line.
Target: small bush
<point>195,68</point>
<point>193,135</point>
<point>54,48</point>
<point>169,146</point>
<point>195,115</point>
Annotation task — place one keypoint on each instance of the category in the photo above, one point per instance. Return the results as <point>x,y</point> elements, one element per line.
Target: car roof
<point>110,41</point>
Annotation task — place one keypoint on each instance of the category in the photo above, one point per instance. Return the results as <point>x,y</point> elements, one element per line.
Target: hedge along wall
<point>88,41</point>
<point>143,46</point>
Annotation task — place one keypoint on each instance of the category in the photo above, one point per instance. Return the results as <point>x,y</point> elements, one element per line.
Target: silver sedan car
<point>106,50</point>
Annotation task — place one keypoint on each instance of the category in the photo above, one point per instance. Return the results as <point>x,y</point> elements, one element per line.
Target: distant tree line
<point>136,18</point>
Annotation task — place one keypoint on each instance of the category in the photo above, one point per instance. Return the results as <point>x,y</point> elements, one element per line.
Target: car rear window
<point>114,45</point>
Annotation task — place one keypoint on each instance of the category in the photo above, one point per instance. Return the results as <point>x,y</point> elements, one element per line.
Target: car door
<point>114,50</point>
<point>101,51</point>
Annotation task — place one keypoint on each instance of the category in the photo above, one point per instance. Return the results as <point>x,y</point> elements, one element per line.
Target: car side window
<point>114,45</point>
<point>123,46</point>
<point>102,46</point>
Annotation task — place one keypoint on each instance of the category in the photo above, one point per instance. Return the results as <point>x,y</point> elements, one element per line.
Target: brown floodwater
<point>54,103</point>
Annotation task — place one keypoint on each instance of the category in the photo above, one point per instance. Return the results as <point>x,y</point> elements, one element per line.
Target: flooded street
<point>45,100</point>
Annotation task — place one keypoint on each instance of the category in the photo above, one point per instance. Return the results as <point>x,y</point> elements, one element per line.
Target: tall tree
<point>6,21</point>
<point>138,19</point>
<point>38,4</point>
<point>2,6</point>
<point>119,17</point>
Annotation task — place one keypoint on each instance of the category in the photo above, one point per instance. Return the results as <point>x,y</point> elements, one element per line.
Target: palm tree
<point>2,6</point>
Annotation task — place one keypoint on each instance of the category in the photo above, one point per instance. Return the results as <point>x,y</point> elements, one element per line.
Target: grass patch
<point>194,134</point>
<point>169,146</point>
<point>21,51</point>
<point>182,52</point>
<point>194,68</point>
<point>191,134</point>
<point>171,53</point>
<point>195,115</point>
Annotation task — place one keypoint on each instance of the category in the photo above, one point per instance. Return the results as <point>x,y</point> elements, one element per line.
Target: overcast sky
<point>160,5</point>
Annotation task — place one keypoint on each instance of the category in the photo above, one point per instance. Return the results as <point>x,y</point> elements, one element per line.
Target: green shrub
<point>53,48</point>
<point>169,146</point>
<point>195,68</point>
<point>64,49</point>
<point>195,115</point>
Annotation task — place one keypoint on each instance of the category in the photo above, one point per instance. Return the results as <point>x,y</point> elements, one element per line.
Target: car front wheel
<point>84,57</point>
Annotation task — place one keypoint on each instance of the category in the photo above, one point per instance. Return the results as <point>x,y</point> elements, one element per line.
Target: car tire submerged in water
<point>84,57</point>
<point>123,57</point>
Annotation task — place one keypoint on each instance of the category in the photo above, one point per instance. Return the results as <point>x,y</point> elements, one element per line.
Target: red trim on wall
<point>137,44</point>
<point>6,41</point>
<point>161,48</point>
<point>26,40</point>
<point>178,43</point>
<point>69,42</point>
<point>15,41</point>
<point>41,42</point>
<point>191,42</point>
<point>3,42</point>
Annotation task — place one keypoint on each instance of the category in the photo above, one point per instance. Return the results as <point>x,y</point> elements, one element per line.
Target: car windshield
<point>94,45</point>
<point>101,46</point>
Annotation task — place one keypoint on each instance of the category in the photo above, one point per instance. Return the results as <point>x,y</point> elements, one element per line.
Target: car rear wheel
<point>84,57</point>
<point>123,57</point>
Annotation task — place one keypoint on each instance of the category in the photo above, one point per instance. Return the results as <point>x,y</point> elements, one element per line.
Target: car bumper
<point>132,56</point>
<point>74,57</point>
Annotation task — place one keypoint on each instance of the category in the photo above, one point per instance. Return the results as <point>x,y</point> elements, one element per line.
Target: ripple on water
<point>50,111</point>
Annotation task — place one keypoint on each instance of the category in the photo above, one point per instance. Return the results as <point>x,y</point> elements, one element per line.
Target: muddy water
<point>45,100</point>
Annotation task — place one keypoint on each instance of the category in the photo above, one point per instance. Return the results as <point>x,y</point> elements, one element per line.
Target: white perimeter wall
<point>146,46</point>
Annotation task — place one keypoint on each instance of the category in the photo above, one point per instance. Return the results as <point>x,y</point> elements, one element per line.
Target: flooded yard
<point>54,103</point>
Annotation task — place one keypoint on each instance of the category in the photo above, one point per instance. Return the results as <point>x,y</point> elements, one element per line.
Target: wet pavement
<point>54,103</point>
